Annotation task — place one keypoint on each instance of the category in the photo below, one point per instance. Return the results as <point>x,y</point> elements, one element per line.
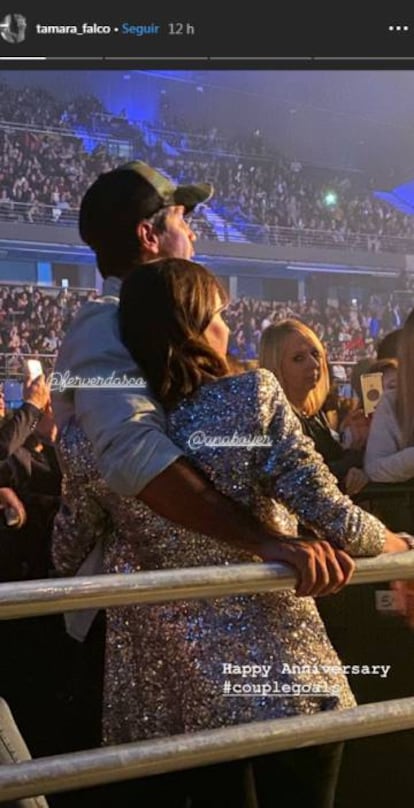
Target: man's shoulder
<point>93,333</point>
<point>90,313</point>
<point>105,306</point>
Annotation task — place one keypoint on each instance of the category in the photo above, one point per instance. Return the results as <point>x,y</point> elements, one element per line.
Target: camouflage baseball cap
<point>187,195</point>
<point>119,199</point>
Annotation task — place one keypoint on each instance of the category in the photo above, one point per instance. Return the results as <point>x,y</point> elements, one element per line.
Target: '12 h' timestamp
<point>180,29</point>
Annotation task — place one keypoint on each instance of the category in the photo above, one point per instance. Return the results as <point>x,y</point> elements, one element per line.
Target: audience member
<point>389,454</point>
<point>293,352</point>
<point>353,424</point>
<point>45,169</point>
<point>35,681</point>
<point>389,370</point>
<point>35,322</point>
<point>387,348</point>
<point>28,465</point>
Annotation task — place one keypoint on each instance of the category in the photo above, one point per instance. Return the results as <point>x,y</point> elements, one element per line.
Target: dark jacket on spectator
<point>338,459</point>
<point>28,471</point>
<point>35,477</point>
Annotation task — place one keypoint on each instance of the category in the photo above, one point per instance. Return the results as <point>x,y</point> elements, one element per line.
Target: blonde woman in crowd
<point>294,353</point>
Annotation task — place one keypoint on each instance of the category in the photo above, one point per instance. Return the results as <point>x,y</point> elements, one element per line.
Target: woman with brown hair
<point>172,667</point>
<point>294,353</point>
<point>389,456</point>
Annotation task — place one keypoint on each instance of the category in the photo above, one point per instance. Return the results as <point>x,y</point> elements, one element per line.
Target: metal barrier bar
<point>31,598</point>
<point>177,752</point>
<point>37,212</point>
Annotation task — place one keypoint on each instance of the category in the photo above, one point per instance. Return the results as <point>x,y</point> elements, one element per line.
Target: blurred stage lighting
<point>330,199</point>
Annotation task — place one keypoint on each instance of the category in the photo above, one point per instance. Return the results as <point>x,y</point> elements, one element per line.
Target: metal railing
<point>13,366</point>
<point>226,230</point>
<point>177,752</point>
<point>75,131</point>
<point>204,143</point>
<point>276,236</point>
<point>51,289</point>
<point>134,760</point>
<point>37,212</point>
<point>50,596</point>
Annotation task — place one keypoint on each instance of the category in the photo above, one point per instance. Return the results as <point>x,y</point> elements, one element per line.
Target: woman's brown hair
<point>272,344</point>
<point>382,365</point>
<point>165,307</point>
<point>405,382</point>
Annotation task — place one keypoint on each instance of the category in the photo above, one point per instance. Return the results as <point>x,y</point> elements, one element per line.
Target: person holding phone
<point>38,657</point>
<point>33,369</point>
<point>23,421</point>
<point>29,466</point>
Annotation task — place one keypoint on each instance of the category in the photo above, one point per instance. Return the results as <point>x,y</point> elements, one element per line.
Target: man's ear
<point>148,237</point>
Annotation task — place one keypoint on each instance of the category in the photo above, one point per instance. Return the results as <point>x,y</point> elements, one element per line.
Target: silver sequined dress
<point>165,664</point>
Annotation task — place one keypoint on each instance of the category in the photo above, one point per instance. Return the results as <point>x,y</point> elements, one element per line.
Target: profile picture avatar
<point>13,28</point>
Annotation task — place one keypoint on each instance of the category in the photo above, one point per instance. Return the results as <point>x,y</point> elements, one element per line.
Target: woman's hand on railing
<point>395,543</point>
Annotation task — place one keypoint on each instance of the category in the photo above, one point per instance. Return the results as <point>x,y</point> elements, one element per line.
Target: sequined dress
<point>167,665</point>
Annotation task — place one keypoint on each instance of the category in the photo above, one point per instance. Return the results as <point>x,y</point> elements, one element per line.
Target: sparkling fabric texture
<point>164,663</point>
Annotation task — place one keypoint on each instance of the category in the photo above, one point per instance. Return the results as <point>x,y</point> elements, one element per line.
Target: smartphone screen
<point>13,394</point>
<point>34,369</point>
<point>372,389</point>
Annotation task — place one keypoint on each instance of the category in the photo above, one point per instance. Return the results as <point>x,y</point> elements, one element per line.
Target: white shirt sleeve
<point>385,461</point>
